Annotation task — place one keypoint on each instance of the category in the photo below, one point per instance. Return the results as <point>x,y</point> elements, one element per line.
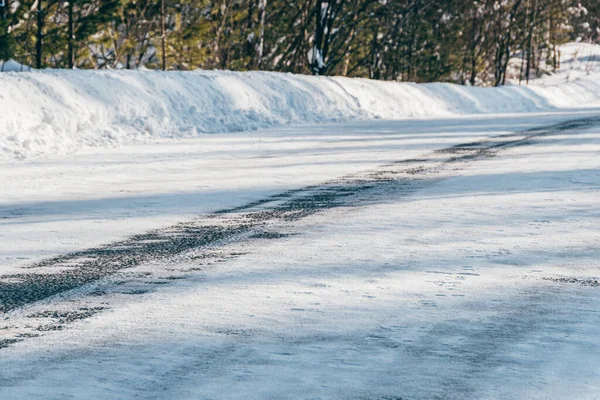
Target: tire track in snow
<point>71,271</point>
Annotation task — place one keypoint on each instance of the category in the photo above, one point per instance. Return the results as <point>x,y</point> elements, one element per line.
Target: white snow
<point>13,66</point>
<point>57,112</point>
<point>445,292</point>
<point>65,203</point>
<point>577,61</point>
<point>451,291</point>
<point>582,57</point>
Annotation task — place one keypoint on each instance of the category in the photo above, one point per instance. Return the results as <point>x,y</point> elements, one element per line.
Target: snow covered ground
<point>482,282</point>
<point>56,112</point>
<point>453,254</point>
<point>66,203</point>
<point>578,60</point>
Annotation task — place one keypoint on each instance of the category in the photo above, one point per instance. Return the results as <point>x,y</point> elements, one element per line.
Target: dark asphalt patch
<point>7,342</point>
<point>591,282</point>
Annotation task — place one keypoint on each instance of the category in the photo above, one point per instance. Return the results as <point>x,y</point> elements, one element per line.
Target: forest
<point>468,42</point>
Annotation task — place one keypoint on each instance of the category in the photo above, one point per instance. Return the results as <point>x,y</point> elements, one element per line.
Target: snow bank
<point>576,60</point>
<point>13,66</point>
<point>583,57</point>
<point>49,112</point>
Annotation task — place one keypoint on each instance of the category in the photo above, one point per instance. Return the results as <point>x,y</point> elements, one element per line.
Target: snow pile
<point>50,112</point>
<point>13,66</point>
<point>576,60</point>
<point>582,57</point>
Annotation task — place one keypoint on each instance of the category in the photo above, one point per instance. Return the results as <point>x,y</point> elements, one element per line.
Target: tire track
<point>60,274</point>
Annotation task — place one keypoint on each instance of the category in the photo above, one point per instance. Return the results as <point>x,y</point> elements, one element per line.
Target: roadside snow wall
<point>51,111</point>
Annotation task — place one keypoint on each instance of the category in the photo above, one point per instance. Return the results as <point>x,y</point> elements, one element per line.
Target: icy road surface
<point>412,259</point>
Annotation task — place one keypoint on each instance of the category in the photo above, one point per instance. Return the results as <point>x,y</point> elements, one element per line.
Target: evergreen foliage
<point>468,42</point>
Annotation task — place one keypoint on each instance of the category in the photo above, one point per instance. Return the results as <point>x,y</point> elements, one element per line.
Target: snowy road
<point>417,259</point>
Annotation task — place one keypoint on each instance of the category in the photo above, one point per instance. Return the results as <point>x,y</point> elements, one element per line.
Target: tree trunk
<point>39,36</point>
<point>163,35</point>
<point>71,38</point>
<point>530,52</point>
<point>374,68</point>
<point>555,60</point>
<point>473,50</point>
<point>261,34</point>
<point>4,38</point>
<point>217,38</point>
<point>249,45</point>
<point>317,59</point>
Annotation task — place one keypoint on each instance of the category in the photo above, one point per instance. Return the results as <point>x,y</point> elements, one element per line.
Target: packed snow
<point>482,284</point>
<point>66,203</point>
<point>57,112</point>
